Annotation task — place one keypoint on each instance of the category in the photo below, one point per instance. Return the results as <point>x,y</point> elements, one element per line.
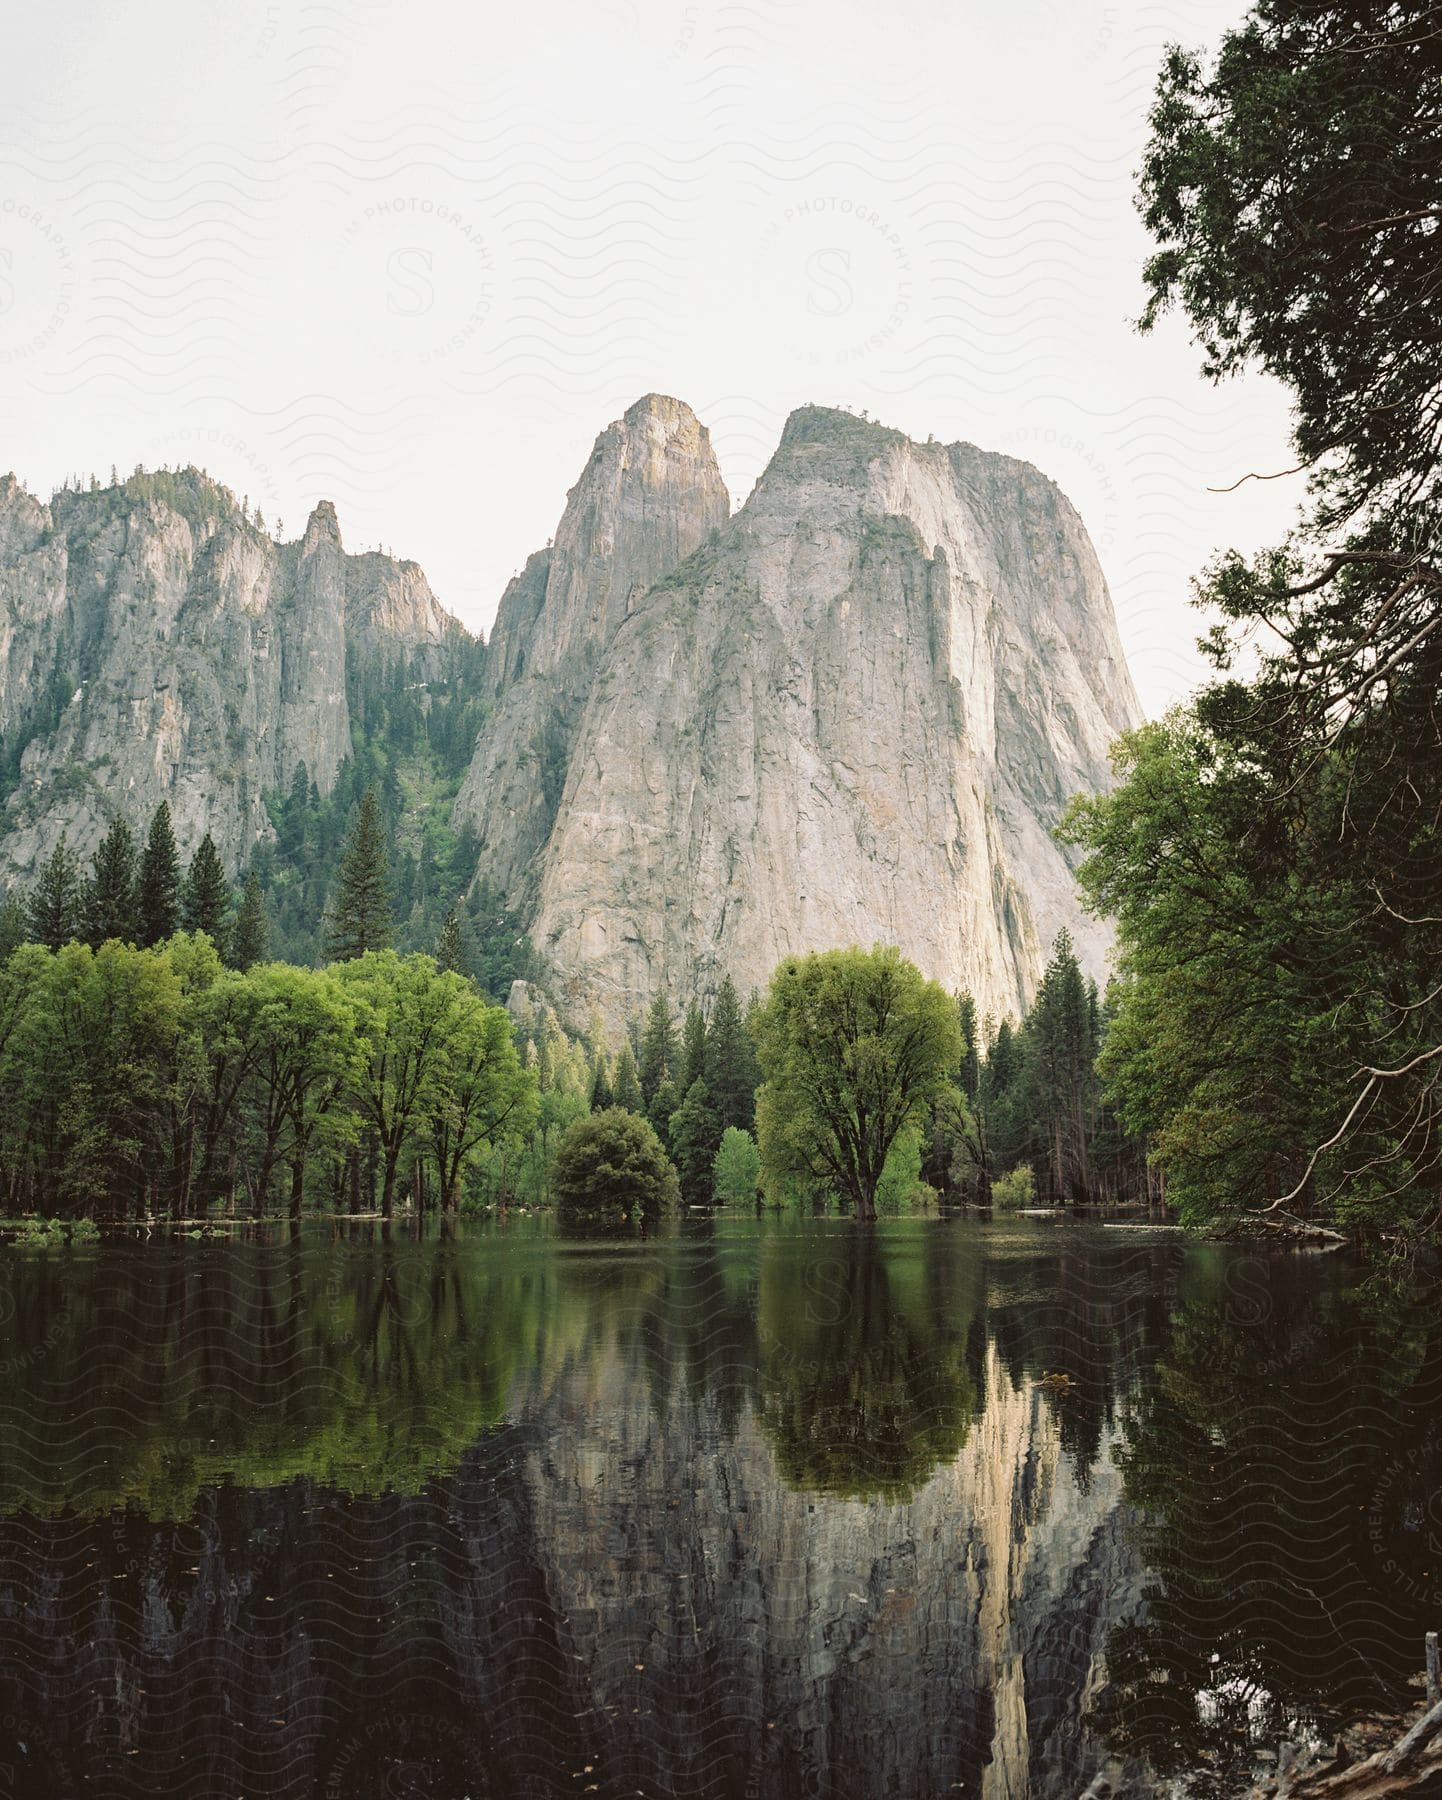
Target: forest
<point>159,1062</point>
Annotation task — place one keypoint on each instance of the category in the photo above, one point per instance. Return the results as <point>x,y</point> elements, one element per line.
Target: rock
<point>853,713</point>
<point>156,645</point>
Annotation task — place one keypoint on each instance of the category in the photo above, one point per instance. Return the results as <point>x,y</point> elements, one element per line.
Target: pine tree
<point>159,899</point>
<point>205,899</point>
<point>602,1096</point>
<point>110,896</point>
<point>695,1137</point>
<point>626,1085</point>
<point>250,943</point>
<point>54,911</point>
<point>360,914</point>
<point>658,1048</point>
<point>12,926</point>
<point>663,1106</point>
<point>693,1051</point>
<point>450,949</point>
<point>731,1073</point>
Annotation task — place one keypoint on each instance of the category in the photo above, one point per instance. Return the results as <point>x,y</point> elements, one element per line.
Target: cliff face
<point>155,645</point>
<point>650,494</point>
<point>853,713</point>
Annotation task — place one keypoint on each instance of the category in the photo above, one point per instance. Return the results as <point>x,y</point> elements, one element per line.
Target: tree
<point>662,1109</point>
<point>736,1174</point>
<point>695,1137</point>
<point>360,917</point>
<point>111,909</point>
<point>693,1050</point>
<point>250,942</point>
<point>450,951</point>
<point>158,898</point>
<point>610,1173</point>
<point>854,1046</point>
<point>205,898</point>
<point>626,1086</point>
<point>53,914</point>
<point>12,925</point>
<point>659,1047</point>
<point>602,1098</point>
<point>408,1011</point>
<point>480,1093</point>
<point>1278,1022</point>
<point>730,1060</point>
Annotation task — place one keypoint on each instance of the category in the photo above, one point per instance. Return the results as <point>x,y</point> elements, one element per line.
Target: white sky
<point>413,258</point>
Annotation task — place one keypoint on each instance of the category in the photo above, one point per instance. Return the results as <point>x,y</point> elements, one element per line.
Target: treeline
<point>156,1081</point>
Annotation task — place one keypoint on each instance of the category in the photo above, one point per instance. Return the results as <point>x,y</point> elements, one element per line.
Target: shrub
<point>611,1173</point>
<point>1015,1189</point>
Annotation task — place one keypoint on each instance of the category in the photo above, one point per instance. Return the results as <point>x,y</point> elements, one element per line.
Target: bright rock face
<point>852,713</point>
<point>182,655</point>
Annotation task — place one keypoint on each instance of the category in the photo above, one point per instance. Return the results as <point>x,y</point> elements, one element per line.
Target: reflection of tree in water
<point>1284,1455</point>
<point>865,1382</point>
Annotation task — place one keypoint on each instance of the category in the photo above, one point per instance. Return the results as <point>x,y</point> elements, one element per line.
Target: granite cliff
<point>850,712</point>
<point>156,644</point>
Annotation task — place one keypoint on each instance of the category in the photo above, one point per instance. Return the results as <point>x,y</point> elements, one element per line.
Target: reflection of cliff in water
<point>669,1564</point>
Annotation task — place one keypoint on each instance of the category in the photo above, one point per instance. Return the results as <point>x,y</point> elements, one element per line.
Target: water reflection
<point>750,1511</point>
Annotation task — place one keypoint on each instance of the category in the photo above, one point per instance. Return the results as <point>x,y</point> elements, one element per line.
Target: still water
<point>777,1509</point>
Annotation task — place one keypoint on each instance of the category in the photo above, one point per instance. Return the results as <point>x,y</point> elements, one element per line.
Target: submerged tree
<point>611,1173</point>
<point>854,1046</point>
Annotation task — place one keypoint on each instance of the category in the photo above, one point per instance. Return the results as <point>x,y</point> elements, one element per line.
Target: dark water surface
<point>760,1510</point>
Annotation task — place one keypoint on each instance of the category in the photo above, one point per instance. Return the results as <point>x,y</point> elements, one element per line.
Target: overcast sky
<point>412,259</point>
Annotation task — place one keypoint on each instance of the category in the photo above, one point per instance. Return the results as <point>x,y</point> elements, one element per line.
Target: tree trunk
<point>353,1172</point>
<point>297,1186</point>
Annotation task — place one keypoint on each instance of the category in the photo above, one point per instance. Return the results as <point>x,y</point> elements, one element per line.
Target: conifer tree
<point>250,943</point>
<point>695,1137</point>
<point>663,1105</point>
<point>730,1061</point>
<point>205,898</point>
<point>159,896</point>
<point>12,925</point>
<point>359,918</point>
<point>450,950</point>
<point>602,1096</point>
<point>54,911</point>
<point>626,1085</point>
<point>110,897</point>
<point>659,1046</point>
<point>693,1051</point>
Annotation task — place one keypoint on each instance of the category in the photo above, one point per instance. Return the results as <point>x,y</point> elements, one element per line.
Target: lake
<point>760,1509</point>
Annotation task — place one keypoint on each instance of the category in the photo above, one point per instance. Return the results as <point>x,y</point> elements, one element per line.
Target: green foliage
<point>360,917</point>
<point>610,1174</point>
<point>694,1132</point>
<point>626,1085</point>
<point>729,1061</point>
<point>659,1048</point>
<point>153,1080</point>
<point>205,897</point>
<point>854,1045</point>
<point>1017,1188</point>
<point>250,943</point>
<point>158,890</point>
<point>736,1173</point>
<point>111,908</point>
<point>1272,850</point>
<point>53,914</point>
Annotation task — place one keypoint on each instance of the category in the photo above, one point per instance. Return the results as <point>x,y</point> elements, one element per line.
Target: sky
<point>414,259</point>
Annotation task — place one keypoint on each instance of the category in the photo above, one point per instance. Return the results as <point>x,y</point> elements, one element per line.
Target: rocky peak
<point>322,528</point>
<point>852,714</point>
<point>650,492</point>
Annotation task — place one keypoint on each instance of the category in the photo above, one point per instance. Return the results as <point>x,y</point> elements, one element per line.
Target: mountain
<point>852,711</point>
<point>156,643</point>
